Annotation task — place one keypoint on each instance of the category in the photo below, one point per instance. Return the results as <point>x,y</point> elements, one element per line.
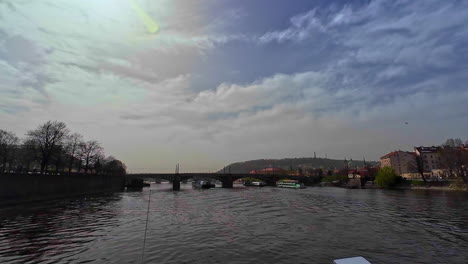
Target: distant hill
<point>294,163</point>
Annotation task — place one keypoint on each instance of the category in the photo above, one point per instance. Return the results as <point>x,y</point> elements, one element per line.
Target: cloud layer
<point>205,91</point>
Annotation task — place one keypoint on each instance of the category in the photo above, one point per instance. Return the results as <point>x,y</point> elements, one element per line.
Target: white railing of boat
<point>354,260</point>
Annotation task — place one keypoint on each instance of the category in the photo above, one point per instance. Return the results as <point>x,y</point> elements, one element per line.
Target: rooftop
<point>432,149</point>
<point>395,152</point>
<point>388,155</point>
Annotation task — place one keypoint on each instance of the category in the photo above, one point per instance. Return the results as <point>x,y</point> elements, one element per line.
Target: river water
<point>240,225</point>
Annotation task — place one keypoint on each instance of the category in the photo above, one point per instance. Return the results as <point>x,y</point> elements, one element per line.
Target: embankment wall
<point>21,187</point>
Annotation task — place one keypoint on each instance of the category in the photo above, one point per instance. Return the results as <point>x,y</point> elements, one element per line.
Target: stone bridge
<point>226,179</point>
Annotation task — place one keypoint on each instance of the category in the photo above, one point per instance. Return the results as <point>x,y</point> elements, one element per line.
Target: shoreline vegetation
<point>449,186</point>
<point>51,148</point>
<point>446,185</point>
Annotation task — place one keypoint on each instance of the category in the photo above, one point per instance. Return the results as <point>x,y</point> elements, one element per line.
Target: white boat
<point>290,184</point>
<point>355,260</point>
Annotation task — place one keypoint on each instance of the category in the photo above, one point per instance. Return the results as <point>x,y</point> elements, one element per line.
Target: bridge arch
<point>226,179</point>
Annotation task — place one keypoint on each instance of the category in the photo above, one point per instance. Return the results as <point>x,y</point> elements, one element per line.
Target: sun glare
<point>146,19</point>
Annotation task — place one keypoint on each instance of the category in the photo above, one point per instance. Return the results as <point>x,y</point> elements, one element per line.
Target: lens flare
<point>149,23</point>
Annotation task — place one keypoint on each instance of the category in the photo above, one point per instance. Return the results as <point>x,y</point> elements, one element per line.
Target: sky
<point>224,81</point>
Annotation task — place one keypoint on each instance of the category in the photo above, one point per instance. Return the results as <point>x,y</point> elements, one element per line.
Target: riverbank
<point>408,185</point>
<point>450,187</point>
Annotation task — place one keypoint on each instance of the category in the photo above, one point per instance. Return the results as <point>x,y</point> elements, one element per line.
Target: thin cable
<point>146,227</point>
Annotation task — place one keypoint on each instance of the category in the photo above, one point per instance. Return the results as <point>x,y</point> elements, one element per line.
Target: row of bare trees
<point>52,148</point>
<point>454,143</point>
<point>454,158</point>
<point>8,143</point>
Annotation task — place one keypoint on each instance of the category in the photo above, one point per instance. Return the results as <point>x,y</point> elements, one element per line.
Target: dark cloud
<point>20,49</point>
<point>385,49</point>
<point>12,109</point>
<point>38,82</point>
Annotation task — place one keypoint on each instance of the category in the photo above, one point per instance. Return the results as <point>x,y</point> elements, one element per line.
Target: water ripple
<point>242,225</point>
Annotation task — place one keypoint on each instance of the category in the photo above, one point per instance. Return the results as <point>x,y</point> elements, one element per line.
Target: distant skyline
<point>224,81</point>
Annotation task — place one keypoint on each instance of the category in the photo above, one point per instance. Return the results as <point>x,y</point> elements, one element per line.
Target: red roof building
<point>402,162</point>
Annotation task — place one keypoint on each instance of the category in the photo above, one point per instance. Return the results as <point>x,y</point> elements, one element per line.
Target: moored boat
<point>203,184</point>
<point>255,183</point>
<point>290,184</point>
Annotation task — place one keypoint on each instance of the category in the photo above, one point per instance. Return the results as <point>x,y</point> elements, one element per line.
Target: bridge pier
<point>228,182</point>
<point>176,183</point>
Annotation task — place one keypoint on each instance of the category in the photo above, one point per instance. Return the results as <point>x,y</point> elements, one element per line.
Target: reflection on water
<point>51,231</point>
<point>241,225</point>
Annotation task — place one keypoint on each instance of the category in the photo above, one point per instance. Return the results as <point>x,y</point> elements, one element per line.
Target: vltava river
<point>240,225</point>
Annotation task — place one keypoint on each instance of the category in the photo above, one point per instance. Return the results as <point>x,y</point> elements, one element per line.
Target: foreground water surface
<point>240,225</point>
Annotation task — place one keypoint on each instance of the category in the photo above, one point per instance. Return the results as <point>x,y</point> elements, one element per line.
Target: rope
<point>146,227</point>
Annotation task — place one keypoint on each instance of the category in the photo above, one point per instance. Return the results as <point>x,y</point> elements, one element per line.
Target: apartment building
<point>402,162</point>
<point>430,157</point>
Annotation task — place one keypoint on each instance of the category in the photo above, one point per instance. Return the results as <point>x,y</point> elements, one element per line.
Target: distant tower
<point>315,156</point>
<point>326,156</point>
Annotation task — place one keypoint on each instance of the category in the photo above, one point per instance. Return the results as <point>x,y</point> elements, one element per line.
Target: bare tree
<point>98,164</point>
<point>455,161</point>
<point>417,166</point>
<point>114,166</point>
<point>73,144</point>
<point>8,145</point>
<point>59,159</point>
<point>453,143</point>
<point>46,138</point>
<point>91,151</point>
<point>27,156</point>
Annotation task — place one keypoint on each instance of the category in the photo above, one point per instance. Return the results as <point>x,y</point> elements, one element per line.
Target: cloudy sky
<point>225,81</point>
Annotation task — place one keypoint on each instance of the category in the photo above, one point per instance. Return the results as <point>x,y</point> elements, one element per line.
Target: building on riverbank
<point>431,158</point>
<point>402,162</point>
<point>435,162</point>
